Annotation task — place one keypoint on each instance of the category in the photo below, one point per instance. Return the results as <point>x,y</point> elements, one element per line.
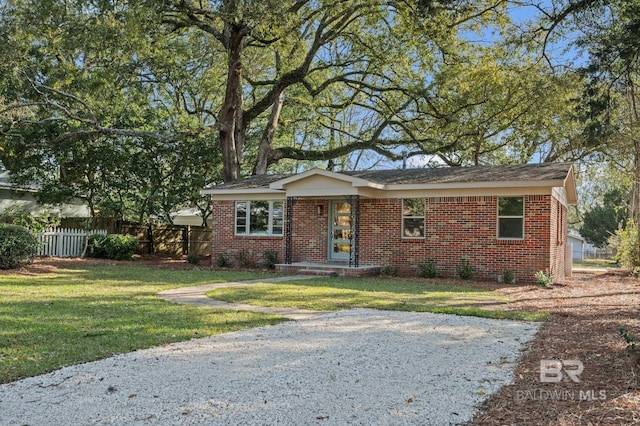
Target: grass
<point>72,316</point>
<point>328,294</point>
<point>596,263</point>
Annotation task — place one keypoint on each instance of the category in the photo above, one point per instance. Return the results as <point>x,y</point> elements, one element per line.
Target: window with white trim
<point>259,217</point>
<point>511,218</point>
<point>413,218</point>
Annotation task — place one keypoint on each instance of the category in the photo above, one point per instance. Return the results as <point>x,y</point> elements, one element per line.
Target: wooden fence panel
<point>200,240</point>
<point>169,239</point>
<point>157,239</point>
<point>64,242</point>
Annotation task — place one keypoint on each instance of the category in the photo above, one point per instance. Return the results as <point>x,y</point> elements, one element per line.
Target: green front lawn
<point>71,316</point>
<point>596,263</point>
<point>328,294</point>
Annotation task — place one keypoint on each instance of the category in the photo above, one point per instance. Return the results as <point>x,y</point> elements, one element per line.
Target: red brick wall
<point>310,231</point>
<point>225,241</point>
<point>456,228</point>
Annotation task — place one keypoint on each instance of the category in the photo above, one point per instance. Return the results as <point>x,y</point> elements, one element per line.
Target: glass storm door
<point>340,231</point>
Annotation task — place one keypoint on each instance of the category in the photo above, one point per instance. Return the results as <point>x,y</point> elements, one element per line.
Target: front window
<point>511,218</point>
<point>259,217</point>
<point>413,218</point>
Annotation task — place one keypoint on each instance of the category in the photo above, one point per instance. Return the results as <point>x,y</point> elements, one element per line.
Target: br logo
<point>553,370</point>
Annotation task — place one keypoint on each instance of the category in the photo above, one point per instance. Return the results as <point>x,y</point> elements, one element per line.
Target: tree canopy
<point>136,105</point>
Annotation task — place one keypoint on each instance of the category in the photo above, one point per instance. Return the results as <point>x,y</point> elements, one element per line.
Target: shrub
<point>389,271</point>
<point>544,279</point>
<point>628,250</point>
<point>112,246</point>
<point>508,276</point>
<point>193,258</point>
<point>465,270</point>
<point>270,259</point>
<point>244,258</point>
<point>18,246</point>
<point>221,261</point>
<point>427,270</point>
<point>20,215</point>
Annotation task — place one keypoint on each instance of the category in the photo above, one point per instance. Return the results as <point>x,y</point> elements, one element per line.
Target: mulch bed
<point>588,311</point>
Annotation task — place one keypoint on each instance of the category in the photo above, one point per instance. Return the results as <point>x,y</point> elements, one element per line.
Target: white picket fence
<point>65,242</point>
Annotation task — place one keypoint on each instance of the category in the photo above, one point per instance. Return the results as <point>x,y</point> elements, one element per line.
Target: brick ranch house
<point>495,217</point>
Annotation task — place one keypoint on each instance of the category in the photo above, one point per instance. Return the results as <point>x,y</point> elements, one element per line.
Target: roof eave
<point>471,185</point>
<point>355,181</point>
<point>239,191</point>
<point>570,187</point>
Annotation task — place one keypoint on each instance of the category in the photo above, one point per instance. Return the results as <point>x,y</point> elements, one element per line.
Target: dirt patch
<point>587,313</point>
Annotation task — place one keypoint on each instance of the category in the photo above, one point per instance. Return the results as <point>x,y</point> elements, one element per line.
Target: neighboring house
<point>496,217</point>
<point>189,217</point>
<point>577,246</point>
<point>11,195</point>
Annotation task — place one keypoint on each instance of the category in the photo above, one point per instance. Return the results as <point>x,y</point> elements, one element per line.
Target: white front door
<point>340,231</point>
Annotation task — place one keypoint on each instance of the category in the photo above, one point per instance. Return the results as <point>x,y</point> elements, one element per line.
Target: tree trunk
<point>264,152</point>
<point>232,131</point>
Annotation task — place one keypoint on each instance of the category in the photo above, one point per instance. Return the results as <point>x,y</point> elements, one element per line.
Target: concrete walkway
<point>196,295</point>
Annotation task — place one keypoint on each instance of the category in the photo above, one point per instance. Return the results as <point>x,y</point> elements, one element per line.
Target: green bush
<point>221,261</point>
<point>270,259</point>
<point>244,258</point>
<point>18,246</point>
<point>193,258</point>
<point>427,270</point>
<point>465,270</point>
<point>628,249</point>
<point>544,279</point>
<point>112,246</point>
<point>508,276</point>
<point>389,271</point>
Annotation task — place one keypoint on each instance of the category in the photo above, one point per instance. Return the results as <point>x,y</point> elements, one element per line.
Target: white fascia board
<point>570,187</point>
<point>240,192</point>
<point>355,182</point>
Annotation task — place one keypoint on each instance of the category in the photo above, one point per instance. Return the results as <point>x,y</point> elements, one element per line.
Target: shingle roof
<point>252,182</point>
<point>520,172</point>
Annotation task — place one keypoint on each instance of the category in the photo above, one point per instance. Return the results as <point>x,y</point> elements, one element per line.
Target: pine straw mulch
<point>588,311</point>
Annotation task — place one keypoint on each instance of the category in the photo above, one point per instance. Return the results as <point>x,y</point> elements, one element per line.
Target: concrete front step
<point>319,272</point>
<point>328,269</point>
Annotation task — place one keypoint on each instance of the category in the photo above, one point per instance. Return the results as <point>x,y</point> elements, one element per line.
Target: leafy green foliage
<point>628,247</point>
<point>428,270</point>
<point>389,271</point>
<point>193,258</point>
<point>221,260</point>
<point>603,220</point>
<point>18,246</point>
<point>244,258</point>
<point>93,106</point>
<point>465,270</point>
<point>543,279</point>
<point>19,215</point>
<point>269,259</point>
<point>508,276</point>
<point>112,246</point>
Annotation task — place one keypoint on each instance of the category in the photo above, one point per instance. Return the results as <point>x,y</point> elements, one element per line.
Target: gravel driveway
<point>358,367</point>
